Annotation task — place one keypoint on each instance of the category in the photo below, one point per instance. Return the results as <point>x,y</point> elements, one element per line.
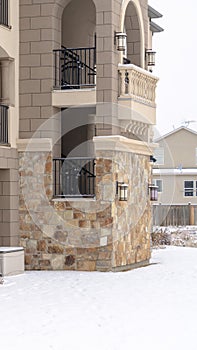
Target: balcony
<point>3,124</point>
<point>75,82</point>
<point>137,92</point>
<point>75,72</point>
<point>4,16</point>
<point>74,177</point>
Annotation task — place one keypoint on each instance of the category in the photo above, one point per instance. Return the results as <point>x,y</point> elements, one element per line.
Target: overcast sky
<point>176,66</point>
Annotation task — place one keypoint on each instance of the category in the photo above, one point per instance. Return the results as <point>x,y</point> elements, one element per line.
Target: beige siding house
<point>175,171</point>
<point>86,112</point>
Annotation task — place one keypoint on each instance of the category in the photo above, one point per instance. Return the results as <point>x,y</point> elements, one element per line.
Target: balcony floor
<point>73,97</point>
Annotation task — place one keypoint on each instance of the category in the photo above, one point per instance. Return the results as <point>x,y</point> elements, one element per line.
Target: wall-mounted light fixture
<point>120,41</point>
<point>122,191</point>
<point>153,190</point>
<point>150,58</point>
<point>152,159</point>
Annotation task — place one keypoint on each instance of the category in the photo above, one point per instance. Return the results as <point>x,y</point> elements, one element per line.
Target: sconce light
<point>122,191</point>
<point>152,159</point>
<point>150,58</point>
<point>153,189</point>
<point>120,41</point>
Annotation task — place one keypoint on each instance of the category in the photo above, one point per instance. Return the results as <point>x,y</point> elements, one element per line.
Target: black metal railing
<point>75,68</point>
<point>74,177</point>
<point>3,124</point>
<point>4,17</point>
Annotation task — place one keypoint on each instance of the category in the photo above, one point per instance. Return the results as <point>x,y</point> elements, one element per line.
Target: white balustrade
<point>137,83</point>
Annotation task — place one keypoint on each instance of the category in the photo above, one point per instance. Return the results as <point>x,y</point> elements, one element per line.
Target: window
<point>190,188</point>
<point>159,155</point>
<point>196,155</point>
<point>159,184</point>
<point>4,12</point>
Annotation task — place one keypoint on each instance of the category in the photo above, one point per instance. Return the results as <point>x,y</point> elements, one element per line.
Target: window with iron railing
<point>74,177</point>
<point>4,12</point>
<point>3,124</point>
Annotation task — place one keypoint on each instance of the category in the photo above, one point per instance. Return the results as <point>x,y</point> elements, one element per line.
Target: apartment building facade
<point>87,107</point>
<point>9,122</point>
<point>174,171</point>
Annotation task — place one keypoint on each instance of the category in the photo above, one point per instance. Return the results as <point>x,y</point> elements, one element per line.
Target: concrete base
<point>131,266</point>
<point>11,261</point>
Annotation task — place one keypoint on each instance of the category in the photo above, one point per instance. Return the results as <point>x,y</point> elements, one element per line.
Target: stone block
<point>25,100</point>
<point>55,249</point>
<point>100,18</point>
<point>46,85</point>
<point>86,265</point>
<point>29,112</point>
<point>29,10</point>
<point>41,22</point>
<point>47,10</point>
<point>24,73</point>
<point>31,246</point>
<point>30,35</point>
<point>30,60</point>
<point>69,260</point>
<point>41,73</point>
<point>24,23</point>
<point>103,265</point>
<point>57,262</point>
<point>29,86</point>
<point>41,245</point>
<point>26,2</point>
<point>43,99</point>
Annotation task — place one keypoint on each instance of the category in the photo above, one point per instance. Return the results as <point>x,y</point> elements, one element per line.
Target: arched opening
<point>75,63</point>
<point>79,24</point>
<point>78,70</point>
<point>132,29</point>
<point>132,23</point>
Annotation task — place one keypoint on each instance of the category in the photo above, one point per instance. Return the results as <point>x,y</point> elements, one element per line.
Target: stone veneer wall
<point>103,234</point>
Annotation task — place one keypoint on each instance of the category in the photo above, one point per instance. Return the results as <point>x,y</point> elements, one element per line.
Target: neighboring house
<point>87,107</point>
<point>175,171</point>
<point>9,121</point>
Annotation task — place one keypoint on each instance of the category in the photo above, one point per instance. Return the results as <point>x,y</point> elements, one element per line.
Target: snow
<point>152,308</point>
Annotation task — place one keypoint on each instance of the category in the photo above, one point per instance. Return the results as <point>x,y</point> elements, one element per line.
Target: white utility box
<point>11,261</point>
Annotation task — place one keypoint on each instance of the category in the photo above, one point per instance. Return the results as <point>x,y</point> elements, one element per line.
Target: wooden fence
<point>174,215</point>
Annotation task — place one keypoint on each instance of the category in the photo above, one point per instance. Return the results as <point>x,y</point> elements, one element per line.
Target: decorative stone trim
<point>34,145</point>
<point>122,144</point>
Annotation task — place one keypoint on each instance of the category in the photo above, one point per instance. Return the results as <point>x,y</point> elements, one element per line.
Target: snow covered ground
<point>152,308</point>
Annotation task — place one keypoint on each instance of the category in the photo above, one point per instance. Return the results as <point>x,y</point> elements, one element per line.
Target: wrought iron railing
<point>3,124</point>
<point>4,17</point>
<point>75,68</point>
<point>74,177</point>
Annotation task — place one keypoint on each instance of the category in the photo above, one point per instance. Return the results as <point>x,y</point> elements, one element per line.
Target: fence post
<point>191,214</point>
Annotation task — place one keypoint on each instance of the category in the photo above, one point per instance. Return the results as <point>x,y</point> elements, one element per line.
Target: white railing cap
<point>136,68</point>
